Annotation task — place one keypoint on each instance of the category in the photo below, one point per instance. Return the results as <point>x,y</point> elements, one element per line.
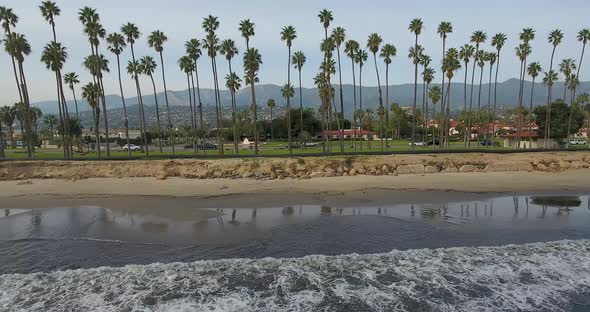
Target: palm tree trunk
<point>18,84</point>
<point>380,100</point>
<point>579,68</point>
<point>194,114</point>
<point>354,103</point>
<point>96,115</point>
<point>479,104</point>
<point>142,124</point>
<point>158,113</point>
<point>61,118</point>
<point>300,108</point>
<point>190,103</point>
<point>361,103</point>
<point>548,117</point>
<point>31,146</point>
<point>200,109</point>
<point>122,100</point>
<point>415,97</point>
<point>467,135</point>
<point>170,126</point>
<point>288,103</point>
<point>217,104</point>
<point>530,119</point>
<point>341,101</point>
<point>387,106</point>
<point>442,86</point>
<point>489,101</point>
<point>255,117</point>
<point>495,96</point>
<point>520,96</point>
<point>106,122</point>
<point>424,111</point>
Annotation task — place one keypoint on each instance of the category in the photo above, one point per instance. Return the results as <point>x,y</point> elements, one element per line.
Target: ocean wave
<point>531,277</point>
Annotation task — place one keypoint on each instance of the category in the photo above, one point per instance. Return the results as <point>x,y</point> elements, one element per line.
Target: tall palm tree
<point>298,60</point>
<point>466,52</point>
<point>246,28</point>
<point>583,37</point>
<point>491,58</point>
<point>233,84</point>
<point>288,34</point>
<point>96,65</point>
<point>498,41</point>
<point>567,67</point>
<point>360,58</point>
<point>193,49</point>
<point>271,104</point>
<point>71,79</point>
<point>252,62</point>
<point>351,48</point>
<point>9,19</point>
<point>211,42</point>
<point>228,48</point>
<point>339,35</point>
<point>424,62</point>
<point>116,46</point>
<point>526,36</point>
<point>49,10</point>
<point>434,93</point>
<point>415,54</point>
<point>554,39</point>
<point>373,44</point>
<point>186,65</point>
<point>326,18</point>
<point>134,69</point>
<point>156,40</point>
<point>428,77</point>
<point>416,26</point>
<point>54,57</point>
<point>451,64</point>
<point>534,69</point>
<point>443,30</point>
<point>147,66</point>
<point>481,62</point>
<point>91,93</point>
<point>387,52</point>
<point>131,33</point>
<point>17,46</point>
<point>478,37</point>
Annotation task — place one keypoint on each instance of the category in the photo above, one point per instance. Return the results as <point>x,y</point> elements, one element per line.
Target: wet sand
<point>247,193</point>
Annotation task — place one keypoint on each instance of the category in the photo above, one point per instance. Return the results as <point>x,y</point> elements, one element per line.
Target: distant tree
<point>559,119</point>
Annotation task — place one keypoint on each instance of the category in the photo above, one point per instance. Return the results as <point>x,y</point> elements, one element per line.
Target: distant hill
<point>402,94</point>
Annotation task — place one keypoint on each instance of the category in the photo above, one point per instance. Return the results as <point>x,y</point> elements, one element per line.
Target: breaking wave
<point>552,276</point>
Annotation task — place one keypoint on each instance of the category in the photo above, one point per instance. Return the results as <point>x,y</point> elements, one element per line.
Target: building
<point>527,140</point>
<point>351,133</point>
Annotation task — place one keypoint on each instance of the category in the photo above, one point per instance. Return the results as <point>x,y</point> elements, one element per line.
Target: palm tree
<point>298,60</point>
<point>567,67</point>
<point>116,43</point>
<point>17,46</point>
<point>54,57</point>
<point>288,34</point>
<point>415,27</point>
<point>252,62</point>
<point>434,93</point>
<point>271,105</point>
<point>360,58</point>
<point>326,18</point>
<point>443,30</point>
<point>373,44</point>
<point>498,41</point>
<point>424,62</point>
<point>480,57</point>
<point>427,77</point>
<point>387,52</point>
<point>147,66</point>
<point>71,79</point>
<point>339,35</point>
<point>554,39</point>
<point>478,37</point>
<point>211,42</point>
<point>193,49</point>
<point>233,84</point>
<point>186,65</point>
<point>91,93</point>
<point>534,69</point>
<point>415,54</point>
<point>51,121</point>
<point>247,30</point>
<point>131,33</point>
<point>156,40</point>
<point>7,116</point>
<point>583,37</point>
<point>287,91</point>
<point>491,58</point>
<point>228,48</point>
<point>96,65</point>
<point>49,10</point>
<point>9,19</point>
<point>351,48</point>
<point>526,36</point>
<point>466,52</point>
<point>451,64</point>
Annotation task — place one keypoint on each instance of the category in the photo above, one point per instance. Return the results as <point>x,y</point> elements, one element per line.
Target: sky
<point>181,20</point>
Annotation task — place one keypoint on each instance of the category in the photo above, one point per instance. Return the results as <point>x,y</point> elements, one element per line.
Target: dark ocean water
<point>523,253</point>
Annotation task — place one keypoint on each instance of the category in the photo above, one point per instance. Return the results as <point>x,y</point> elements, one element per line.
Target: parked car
<point>206,146</point>
<point>311,144</point>
<point>188,146</point>
<point>578,142</point>
<point>131,147</point>
<point>434,142</point>
<point>417,143</point>
<point>486,143</point>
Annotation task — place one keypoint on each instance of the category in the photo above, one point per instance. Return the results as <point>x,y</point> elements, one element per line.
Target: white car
<point>578,142</point>
<point>310,144</point>
<point>131,147</point>
<point>417,143</point>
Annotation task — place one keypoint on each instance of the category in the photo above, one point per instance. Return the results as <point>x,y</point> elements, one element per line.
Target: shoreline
<point>249,193</point>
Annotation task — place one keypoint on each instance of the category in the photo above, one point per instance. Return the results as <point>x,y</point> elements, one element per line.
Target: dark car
<point>206,146</point>
<point>188,146</point>
<point>434,142</point>
<point>486,143</point>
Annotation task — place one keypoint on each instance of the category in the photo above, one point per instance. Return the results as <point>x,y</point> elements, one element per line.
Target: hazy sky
<point>181,20</point>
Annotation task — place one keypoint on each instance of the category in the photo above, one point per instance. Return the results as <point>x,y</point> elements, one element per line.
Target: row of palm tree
<point>55,55</point>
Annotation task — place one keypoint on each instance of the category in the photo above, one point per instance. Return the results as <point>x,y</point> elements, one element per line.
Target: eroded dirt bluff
<point>302,168</point>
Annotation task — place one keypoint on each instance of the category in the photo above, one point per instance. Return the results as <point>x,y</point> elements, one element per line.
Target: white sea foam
<point>531,277</point>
